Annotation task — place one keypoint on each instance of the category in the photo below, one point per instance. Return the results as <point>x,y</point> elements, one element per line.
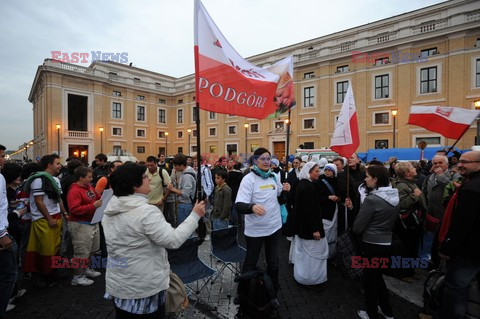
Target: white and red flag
<point>450,122</point>
<point>226,83</point>
<point>345,139</point>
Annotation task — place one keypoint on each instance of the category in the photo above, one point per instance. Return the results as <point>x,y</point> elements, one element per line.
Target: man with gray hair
<point>432,189</point>
<point>460,246</point>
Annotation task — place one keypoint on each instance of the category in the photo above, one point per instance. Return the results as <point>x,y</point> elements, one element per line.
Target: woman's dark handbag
<point>410,219</point>
<point>347,247</point>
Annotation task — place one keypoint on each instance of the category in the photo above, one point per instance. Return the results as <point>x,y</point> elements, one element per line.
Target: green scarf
<point>44,176</point>
<point>264,174</point>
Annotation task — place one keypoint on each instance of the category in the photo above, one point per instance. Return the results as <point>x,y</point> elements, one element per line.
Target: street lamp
<point>189,131</point>
<point>246,140</point>
<point>394,114</point>
<point>288,122</point>
<point>101,139</point>
<point>166,144</point>
<point>477,138</point>
<point>58,139</point>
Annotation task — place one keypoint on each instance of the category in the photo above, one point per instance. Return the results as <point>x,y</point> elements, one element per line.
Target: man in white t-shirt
<point>46,209</point>
<point>8,263</point>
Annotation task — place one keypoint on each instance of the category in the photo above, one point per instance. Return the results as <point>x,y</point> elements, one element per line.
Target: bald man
<point>461,245</point>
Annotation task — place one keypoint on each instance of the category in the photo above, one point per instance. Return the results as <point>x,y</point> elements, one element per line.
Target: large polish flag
<point>450,122</point>
<point>345,139</point>
<point>226,83</point>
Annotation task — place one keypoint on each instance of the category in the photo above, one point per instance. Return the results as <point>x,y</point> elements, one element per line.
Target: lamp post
<point>477,107</point>
<point>25,157</point>
<point>288,122</point>
<point>166,144</point>
<point>394,114</point>
<point>101,139</point>
<point>58,139</point>
<point>246,140</point>
<point>189,132</point>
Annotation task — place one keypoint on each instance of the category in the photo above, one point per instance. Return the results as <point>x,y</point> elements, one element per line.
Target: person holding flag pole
<point>228,84</point>
<point>374,221</point>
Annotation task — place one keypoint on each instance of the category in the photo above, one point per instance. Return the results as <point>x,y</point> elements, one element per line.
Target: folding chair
<point>185,263</point>
<point>226,250</point>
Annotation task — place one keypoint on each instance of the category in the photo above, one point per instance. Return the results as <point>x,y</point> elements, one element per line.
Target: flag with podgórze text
<point>345,139</point>
<point>228,84</point>
<point>450,122</point>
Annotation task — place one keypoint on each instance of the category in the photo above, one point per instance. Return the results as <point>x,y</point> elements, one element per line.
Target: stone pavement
<point>340,299</point>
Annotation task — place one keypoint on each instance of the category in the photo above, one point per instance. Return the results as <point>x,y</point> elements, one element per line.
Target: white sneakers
<point>92,273</point>
<point>362,314</point>
<point>10,307</point>
<point>81,280</point>
<point>380,312</point>
<point>20,293</point>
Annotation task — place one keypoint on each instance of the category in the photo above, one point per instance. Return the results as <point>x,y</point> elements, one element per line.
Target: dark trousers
<point>410,240</point>
<point>376,293</point>
<point>159,314</point>
<point>8,276</point>
<point>460,273</point>
<point>254,247</point>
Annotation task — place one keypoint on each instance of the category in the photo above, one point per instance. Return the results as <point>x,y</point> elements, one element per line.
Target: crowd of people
<point>421,209</point>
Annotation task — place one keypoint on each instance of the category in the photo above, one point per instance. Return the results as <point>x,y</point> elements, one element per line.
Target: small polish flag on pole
<point>451,122</point>
<point>345,139</point>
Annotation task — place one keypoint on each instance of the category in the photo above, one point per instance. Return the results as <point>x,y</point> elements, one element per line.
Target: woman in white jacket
<point>137,235</point>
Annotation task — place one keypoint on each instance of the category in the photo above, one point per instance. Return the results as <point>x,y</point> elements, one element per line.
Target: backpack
<point>433,291</point>
<point>256,294</point>
<point>203,196</point>
<point>433,294</point>
<point>160,173</point>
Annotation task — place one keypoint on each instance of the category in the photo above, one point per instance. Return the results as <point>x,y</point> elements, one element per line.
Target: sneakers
<point>92,273</point>
<point>20,293</point>
<point>362,314</point>
<point>10,307</point>
<point>81,280</point>
<point>380,312</point>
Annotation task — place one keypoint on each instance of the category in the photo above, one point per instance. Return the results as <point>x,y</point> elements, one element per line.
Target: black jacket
<point>308,213</point>
<point>234,178</point>
<point>463,237</point>
<point>328,206</point>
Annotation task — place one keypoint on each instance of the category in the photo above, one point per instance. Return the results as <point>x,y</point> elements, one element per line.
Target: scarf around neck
<point>263,174</point>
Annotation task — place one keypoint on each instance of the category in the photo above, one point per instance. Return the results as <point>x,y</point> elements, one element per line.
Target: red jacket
<point>80,202</point>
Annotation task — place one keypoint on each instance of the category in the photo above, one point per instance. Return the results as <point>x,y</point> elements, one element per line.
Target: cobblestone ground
<point>340,299</point>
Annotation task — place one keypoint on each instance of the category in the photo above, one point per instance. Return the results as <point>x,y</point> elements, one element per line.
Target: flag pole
<point>197,119</point>
<point>451,148</point>
<point>288,138</point>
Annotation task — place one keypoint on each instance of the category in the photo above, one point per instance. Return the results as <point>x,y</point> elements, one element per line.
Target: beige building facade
<point>429,56</point>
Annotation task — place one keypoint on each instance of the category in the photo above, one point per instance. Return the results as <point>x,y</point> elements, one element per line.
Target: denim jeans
<point>254,247</point>
<point>184,211</point>
<point>426,243</point>
<point>460,273</point>
<point>169,213</point>
<point>219,223</point>
<point>8,276</point>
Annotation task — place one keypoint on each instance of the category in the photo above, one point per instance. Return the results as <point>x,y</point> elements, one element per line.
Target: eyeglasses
<point>467,162</point>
